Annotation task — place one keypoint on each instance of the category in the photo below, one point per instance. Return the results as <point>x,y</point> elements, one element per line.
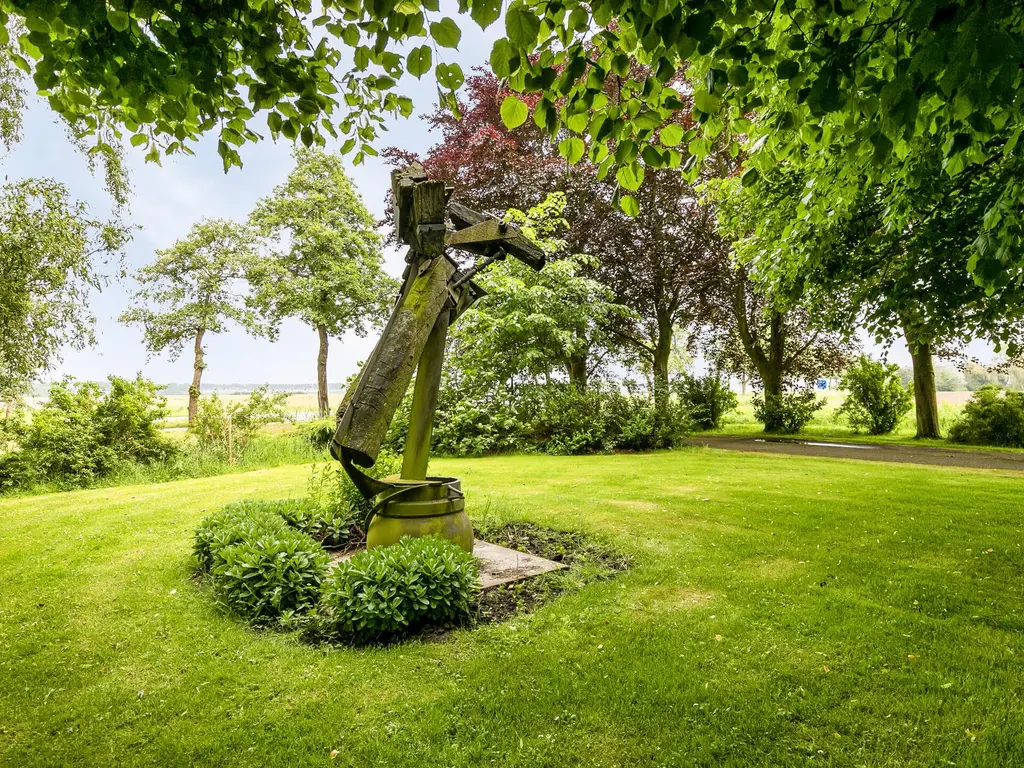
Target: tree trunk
<point>773,372</point>
<point>321,374</point>
<point>197,377</point>
<point>660,360</point>
<point>926,403</point>
<point>577,368</point>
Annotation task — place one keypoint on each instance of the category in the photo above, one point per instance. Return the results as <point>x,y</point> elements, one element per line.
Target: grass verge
<point>780,611</point>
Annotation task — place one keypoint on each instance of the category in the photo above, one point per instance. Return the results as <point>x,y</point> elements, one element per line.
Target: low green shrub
<point>706,398</point>
<point>991,417</point>
<point>318,432</point>
<point>787,414</point>
<point>384,593</point>
<point>878,400</point>
<point>16,470</point>
<point>229,525</point>
<point>331,489</point>
<point>329,525</point>
<point>218,424</point>
<point>268,576</point>
<point>81,434</point>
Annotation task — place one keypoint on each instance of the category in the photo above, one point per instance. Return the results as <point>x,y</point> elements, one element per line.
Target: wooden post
<point>416,455</point>
<point>373,399</point>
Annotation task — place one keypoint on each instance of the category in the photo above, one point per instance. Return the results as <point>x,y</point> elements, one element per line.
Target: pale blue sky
<point>168,199</point>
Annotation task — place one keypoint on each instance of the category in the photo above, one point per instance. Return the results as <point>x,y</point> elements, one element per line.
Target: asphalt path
<point>900,454</point>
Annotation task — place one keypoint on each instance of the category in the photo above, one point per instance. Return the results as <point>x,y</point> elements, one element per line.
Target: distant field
<point>303,404</point>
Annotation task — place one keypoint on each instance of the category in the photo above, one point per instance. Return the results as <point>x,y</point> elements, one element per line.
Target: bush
<point>384,593</point>
<point>318,432</point>
<point>991,417</point>
<point>215,420</point>
<point>80,434</point>
<point>706,398</point>
<point>330,526</point>
<point>877,400</point>
<point>787,414</point>
<point>270,575</point>
<point>333,492</point>
<point>16,470</point>
<point>232,524</point>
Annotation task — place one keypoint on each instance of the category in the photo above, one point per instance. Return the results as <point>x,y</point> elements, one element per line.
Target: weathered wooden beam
<point>514,243</point>
<point>372,400</point>
<point>428,202</point>
<point>403,180</point>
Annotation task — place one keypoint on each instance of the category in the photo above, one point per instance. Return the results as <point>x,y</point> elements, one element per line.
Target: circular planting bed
<point>276,565</point>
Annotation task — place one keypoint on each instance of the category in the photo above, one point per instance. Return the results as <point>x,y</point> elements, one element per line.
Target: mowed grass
<point>829,424</point>
<point>781,611</point>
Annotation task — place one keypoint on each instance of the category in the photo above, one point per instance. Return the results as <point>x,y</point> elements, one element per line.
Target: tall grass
<point>189,461</point>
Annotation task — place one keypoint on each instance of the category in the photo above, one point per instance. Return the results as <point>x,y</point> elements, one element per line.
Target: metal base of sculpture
<point>435,291</point>
<point>434,506</point>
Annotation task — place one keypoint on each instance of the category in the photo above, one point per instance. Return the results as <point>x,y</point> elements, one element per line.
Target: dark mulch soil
<point>588,561</point>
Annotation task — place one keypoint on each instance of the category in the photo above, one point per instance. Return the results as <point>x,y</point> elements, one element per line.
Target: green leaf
<point>446,32</point>
<point>485,12</point>
<point>629,205</point>
<point>787,70</point>
<point>671,135</point>
<point>630,176</point>
<point>502,57</point>
<point>449,76</point>
<point>419,60</point>
<point>750,177</point>
<point>572,150</point>
<point>521,26</point>
<point>118,19</point>
<point>513,112</point>
<point>738,75</point>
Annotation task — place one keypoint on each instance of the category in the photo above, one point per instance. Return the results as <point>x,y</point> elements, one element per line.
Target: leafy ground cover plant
<point>786,414</point>
<point>706,398</point>
<point>232,524</point>
<point>333,492</point>
<point>385,593</point>
<point>878,400</point>
<point>991,417</point>
<point>270,575</point>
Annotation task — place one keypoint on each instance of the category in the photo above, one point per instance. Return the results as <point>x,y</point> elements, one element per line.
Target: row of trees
<point>309,251</point>
<point>668,268</point>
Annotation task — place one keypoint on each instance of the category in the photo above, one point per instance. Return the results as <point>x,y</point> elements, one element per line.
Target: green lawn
<point>827,424</point>
<point>782,611</point>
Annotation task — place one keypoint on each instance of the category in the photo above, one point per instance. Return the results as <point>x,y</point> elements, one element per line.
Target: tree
<point>325,264</point>
<point>780,348</point>
<point>662,265</point>
<point>790,77</point>
<point>48,247</point>
<point>190,292</point>
<point>913,283</point>
<point>533,324</point>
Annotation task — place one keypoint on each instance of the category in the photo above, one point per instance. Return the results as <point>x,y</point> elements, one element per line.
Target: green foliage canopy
<point>192,287</point>
<point>532,323</point>
<point>49,244</point>
<point>324,266</point>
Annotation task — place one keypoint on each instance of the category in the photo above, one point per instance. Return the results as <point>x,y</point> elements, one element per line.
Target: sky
<point>169,198</point>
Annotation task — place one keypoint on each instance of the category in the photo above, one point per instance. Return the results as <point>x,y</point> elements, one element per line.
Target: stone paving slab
<point>498,565</point>
<point>501,565</point>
